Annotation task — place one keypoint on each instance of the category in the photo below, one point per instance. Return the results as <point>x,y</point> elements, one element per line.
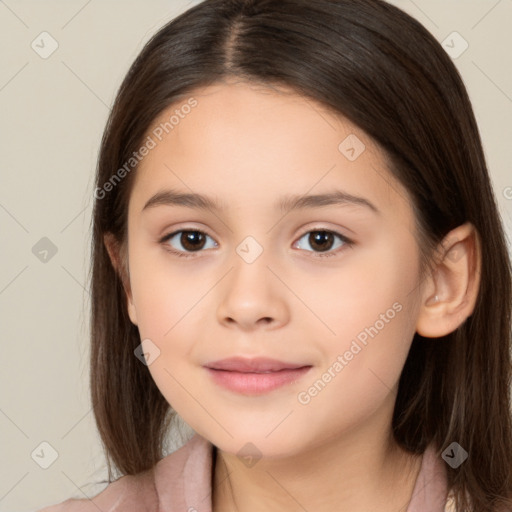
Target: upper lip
<point>253,365</point>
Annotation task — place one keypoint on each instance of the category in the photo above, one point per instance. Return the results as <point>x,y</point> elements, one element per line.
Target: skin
<point>248,145</point>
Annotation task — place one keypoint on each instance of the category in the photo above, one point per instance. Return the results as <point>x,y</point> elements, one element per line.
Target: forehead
<point>255,141</point>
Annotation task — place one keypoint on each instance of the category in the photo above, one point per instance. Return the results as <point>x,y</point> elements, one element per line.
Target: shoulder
<point>431,487</point>
<point>135,490</point>
<point>181,477</point>
<point>450,503</point>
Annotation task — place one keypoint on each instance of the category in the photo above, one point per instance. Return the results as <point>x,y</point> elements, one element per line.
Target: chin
<point>254,443</point>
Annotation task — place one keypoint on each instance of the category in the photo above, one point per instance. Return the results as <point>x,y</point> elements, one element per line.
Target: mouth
<point>255,376</point>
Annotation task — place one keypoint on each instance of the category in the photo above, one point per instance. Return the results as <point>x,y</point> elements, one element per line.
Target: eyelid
<point>347,242</point>
<point>177,230</point>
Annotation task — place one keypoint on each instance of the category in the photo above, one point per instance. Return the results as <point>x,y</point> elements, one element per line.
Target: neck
<point>356,471</point>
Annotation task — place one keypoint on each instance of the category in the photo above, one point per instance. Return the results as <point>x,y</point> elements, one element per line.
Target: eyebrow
<point>172,197</point>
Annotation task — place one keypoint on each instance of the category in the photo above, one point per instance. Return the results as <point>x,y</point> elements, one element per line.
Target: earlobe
<point>450,293</point>
<point>115,254</point>
<point>132,313</point>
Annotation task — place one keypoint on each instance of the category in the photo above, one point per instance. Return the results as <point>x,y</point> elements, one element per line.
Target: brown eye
<point>322,241</point>
<point>194,240</point>
<point>191,240</point>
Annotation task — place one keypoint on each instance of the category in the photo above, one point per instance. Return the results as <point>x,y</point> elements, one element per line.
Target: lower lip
<point>256,383</point>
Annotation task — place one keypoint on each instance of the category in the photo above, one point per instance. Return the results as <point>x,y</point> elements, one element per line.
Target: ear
<point>120,264</point>
<point>450,292</point>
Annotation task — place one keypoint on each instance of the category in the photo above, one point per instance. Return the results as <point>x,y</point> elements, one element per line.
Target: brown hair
<point>381,69</point>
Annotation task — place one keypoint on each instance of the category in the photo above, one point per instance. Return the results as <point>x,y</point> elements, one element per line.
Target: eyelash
<point>347,242</point>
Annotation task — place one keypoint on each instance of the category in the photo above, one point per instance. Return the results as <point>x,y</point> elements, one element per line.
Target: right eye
<point>191,240</point>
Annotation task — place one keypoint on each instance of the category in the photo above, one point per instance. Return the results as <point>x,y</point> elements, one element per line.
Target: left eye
<point>193,240</point>
<point>323,241</point>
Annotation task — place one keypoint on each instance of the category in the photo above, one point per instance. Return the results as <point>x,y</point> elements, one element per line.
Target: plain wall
<point>53,113</point>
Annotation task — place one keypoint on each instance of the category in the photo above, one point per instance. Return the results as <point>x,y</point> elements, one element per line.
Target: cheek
<point>172,303</point>
<point>168,304</point>
<point>369,290</point>
<point>372,315</point>
<point>362,365</point>
<point>163,290</point>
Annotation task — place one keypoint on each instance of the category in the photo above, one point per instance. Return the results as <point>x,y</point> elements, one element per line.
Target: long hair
<point>377,66</point>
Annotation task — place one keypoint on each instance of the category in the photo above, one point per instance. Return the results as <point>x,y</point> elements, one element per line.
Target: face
<point>328,286</point>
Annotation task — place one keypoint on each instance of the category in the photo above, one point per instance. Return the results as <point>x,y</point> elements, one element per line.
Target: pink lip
<point>254,376</point>
<point>253,365</point>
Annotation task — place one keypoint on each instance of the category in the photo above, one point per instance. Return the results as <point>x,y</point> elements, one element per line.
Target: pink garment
<point>182,482</point>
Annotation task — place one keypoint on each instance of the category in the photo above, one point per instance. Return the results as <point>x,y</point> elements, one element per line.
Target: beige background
<point>53,114</point>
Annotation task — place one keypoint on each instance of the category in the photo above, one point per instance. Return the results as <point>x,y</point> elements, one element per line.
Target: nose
<point>252,297</point>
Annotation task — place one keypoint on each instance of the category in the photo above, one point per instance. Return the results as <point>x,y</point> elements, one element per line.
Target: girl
<point>297,250</point>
